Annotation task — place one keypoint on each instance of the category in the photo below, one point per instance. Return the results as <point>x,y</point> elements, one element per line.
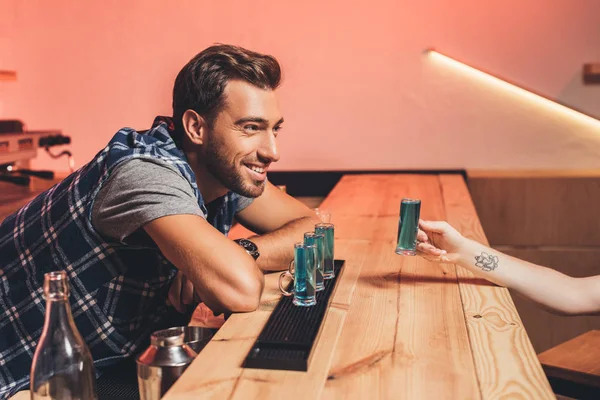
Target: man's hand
<point>181,293</point>
<point>438,241</point>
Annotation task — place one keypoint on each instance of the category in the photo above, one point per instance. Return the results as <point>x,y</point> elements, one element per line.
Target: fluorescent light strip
<point>536,98</point>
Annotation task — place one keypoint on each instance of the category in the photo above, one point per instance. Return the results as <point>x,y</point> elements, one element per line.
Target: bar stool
<point>573,367</point>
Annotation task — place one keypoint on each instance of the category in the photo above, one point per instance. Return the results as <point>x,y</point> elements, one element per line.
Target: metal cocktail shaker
<point>162,363</point>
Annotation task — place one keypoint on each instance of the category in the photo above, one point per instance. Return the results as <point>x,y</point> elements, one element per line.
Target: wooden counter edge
<point>482,299</point>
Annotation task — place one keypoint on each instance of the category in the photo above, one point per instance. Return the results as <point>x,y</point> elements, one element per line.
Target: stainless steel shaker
<point>162,363</point>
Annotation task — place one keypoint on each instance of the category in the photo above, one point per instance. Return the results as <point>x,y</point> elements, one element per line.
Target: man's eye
<point>251,128</point>
<point>277,129</point>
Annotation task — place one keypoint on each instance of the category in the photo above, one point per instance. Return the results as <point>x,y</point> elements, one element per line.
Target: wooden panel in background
<point>536,209</point>
<point>547,330</point>
<point>550,218</point>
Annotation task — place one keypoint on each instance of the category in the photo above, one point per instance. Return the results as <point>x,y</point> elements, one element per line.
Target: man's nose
<point>269,149</point>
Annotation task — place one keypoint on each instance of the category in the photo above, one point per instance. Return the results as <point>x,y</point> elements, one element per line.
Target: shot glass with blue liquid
<point>303,272</point>
<point>327,230</point>
<point>319,241</point>
<point>408,227</point>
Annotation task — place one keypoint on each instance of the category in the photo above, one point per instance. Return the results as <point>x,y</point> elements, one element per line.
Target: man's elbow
<point>245,295</point>
<point>247,301</point>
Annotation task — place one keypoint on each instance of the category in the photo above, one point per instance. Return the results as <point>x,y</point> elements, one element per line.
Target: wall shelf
<point>8,75</point>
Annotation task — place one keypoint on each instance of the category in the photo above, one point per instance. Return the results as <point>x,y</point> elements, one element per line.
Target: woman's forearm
<point>557,292</point>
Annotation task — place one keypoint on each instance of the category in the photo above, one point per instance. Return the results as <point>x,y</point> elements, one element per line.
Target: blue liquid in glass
<point>327,231</point>
<point>304,276</point>
<point>319,241</point>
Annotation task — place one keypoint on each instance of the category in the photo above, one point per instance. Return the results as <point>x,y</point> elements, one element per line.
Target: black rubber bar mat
<point>289,335</point>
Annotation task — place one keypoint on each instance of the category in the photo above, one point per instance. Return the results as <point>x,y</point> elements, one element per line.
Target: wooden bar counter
<point>397,327</point>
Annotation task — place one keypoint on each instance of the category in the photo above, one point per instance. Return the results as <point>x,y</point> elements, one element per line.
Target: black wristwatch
<point>249,246</point>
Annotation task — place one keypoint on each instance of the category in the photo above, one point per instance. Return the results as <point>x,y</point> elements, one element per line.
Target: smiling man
<point>143,226</point>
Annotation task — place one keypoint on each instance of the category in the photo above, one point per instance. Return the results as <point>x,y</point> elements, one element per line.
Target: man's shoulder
<point>133,138</point>
<point>138,191</point>
<point>145,170</point>
<point>161,131</point>
<point>154,145</point>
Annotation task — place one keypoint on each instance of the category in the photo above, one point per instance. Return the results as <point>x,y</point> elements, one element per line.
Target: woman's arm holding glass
<point>555,291</point>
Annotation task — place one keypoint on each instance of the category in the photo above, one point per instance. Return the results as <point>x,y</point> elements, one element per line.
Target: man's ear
<point>194,126</point>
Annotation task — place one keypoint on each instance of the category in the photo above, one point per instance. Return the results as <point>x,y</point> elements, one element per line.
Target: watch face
<point>249,246</point>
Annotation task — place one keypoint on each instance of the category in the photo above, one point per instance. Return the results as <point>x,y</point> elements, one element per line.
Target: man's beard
<point>228,174</point>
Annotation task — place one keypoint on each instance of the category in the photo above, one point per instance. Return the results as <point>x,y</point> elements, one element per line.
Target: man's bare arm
<point>224,276</point>
<point>280,221</point>
<point>277,247</point>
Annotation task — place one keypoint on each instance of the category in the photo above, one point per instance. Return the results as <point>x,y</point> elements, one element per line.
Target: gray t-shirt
<point>140,191</point>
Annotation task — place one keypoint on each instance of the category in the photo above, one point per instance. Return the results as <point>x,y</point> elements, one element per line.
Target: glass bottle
<point>62,366</point>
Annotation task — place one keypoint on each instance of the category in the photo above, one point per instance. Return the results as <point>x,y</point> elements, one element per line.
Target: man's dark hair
<point>199,86</point>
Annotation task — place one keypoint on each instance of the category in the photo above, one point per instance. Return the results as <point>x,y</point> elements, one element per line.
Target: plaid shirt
<point>118,292</point>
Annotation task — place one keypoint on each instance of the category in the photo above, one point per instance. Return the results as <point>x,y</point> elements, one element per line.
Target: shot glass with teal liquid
<point>319,241</point>
<point>326,230</point>
<point>408,227</point>
<point>303,272</point>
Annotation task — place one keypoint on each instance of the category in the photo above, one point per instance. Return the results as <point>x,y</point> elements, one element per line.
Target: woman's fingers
<point>428,248</point>
<point>422,236</point>
<point>429,257</point>
<point>434,226</point>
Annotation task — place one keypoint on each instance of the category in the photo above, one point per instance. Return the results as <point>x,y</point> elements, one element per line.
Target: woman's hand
<point>438,241</point>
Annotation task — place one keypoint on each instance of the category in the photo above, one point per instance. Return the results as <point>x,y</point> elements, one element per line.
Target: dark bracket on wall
<point>320,183</point>
<point>591,73</point>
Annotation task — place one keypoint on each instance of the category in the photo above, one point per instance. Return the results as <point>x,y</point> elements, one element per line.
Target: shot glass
<point>326,229</point>
<point>317,239</point>
<point>408,227</point>
<point>303,272</point>
<point>323,215</point>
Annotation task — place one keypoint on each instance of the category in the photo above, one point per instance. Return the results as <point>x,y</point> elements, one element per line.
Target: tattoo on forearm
<point>487,262</point>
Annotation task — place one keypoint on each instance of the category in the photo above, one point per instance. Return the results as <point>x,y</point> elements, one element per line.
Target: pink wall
<point>358,91</point>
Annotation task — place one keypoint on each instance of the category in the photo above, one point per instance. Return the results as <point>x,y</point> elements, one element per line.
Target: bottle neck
<point>58,320</point>
<point>58,317</point>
